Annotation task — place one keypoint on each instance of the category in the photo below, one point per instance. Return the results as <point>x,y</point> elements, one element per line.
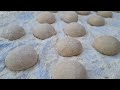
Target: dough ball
<point>69,70</point>
<point>75,30</point>
<point>96,20</point>
<point>83,12</point>
<point>70,16</point>
<point>12,32</point>
<point>69,47</point>
<point>46,17</point>
<point>21,58</point>
<point>44,31</point>
<point>107,45</point>
<point>106,14</point>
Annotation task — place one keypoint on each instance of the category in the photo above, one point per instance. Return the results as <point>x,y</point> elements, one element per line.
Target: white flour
<point>98,66</point>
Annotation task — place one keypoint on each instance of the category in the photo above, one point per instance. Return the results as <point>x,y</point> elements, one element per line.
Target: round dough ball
<point>69,47</point>
<point>106,14</point>
<point>83,12</point>
<point>107,45</point>
<point>21,58</point>
<point>75,30</point>
<point>46,17</point>
<point>44,31</point>
<point>70,16</point>
<point>96,20</point>
<point>12,32</point>
<point>69,70</point>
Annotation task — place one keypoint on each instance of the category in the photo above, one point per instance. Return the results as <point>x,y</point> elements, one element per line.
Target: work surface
<point>98,66</point>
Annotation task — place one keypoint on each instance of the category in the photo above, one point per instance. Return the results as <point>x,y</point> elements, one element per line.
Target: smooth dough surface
<point>46,17</point>
<point>75,30</point>
<point>106,14</point>
<point>96,20</point>
<point>44,31</point>
<point>21,58</point>
<point>70,16</point>
<point>107,45</point>
<point>68,47</point>
<point>69,70</point>
<point>12,32</point>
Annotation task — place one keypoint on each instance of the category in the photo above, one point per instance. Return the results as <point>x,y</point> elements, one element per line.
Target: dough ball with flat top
<point>75,30</point>
<point>83,12</point>
<point>70,16</point>
<point>46,17</point>
<point>68,47</point>
<point>21,58</point>
<point>12,32</point>
<point>105,14</point>
<point>69,70</point>
<point>44,31</point>
<point>95,20</point>
<point>107,45</point>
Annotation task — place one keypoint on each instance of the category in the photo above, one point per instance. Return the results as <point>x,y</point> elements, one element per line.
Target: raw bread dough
<point>96,20</point>
<point>75,30</point>
<point>12,32</point>
<point>68,47</point>
<point>106,14</point>
<point>46,17</point>
<point>83,12</point>
<point>21,58</point>
<point>70,16</point>
<point>107,45</point>
<point>44,31</point>
<point>69,70</point>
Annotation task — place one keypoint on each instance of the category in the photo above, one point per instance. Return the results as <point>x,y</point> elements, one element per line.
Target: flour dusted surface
<point>97,65</point>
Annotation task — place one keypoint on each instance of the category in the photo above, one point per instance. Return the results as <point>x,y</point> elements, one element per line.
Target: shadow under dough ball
<point>69,16</point>
<point>12,32</point>
<point>105,14</point>
<point>69,70</point>
<point>21,58</point>
<point>44,31</point>
<point>107,45</point>
<point>96,20</point>
<point>46,17</point>
<point>74,30</point>
<point>83,12</point>
<point>68,47</point>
